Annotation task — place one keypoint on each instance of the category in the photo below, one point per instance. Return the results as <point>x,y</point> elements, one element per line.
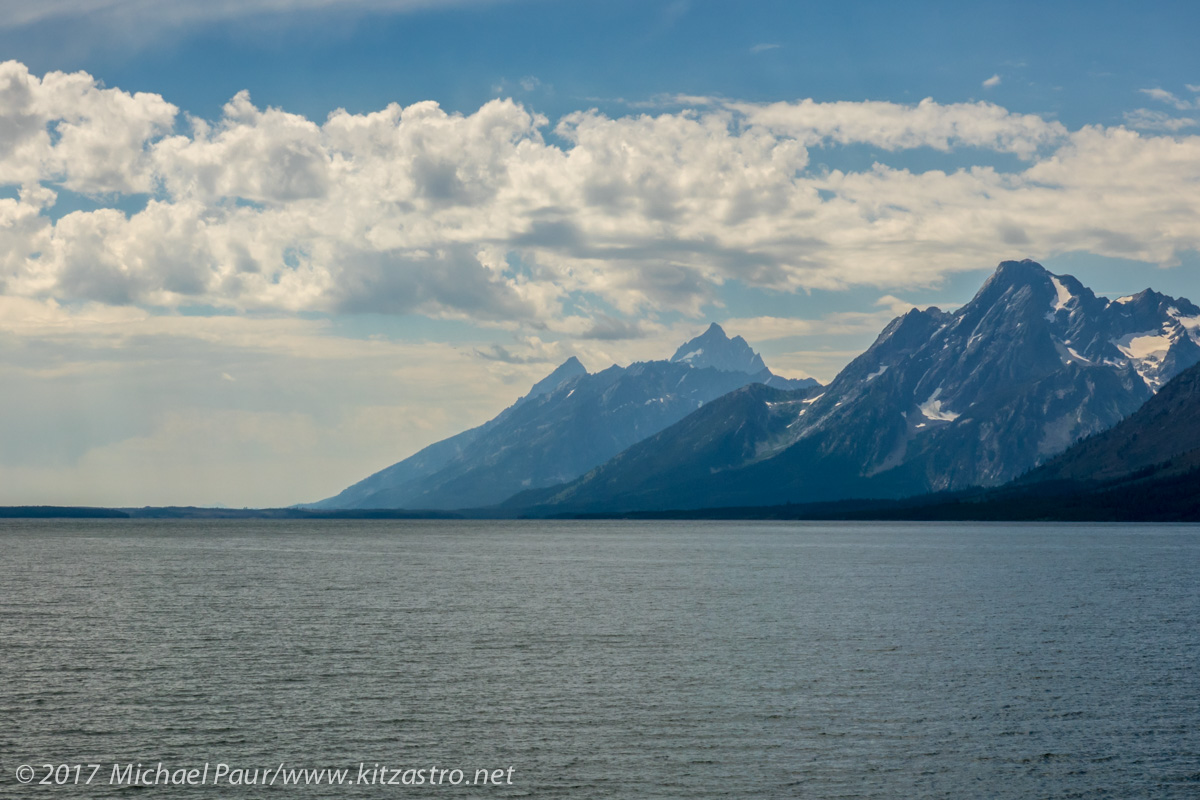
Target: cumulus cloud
<point>894,126</point>
<point>65,128</point>
<point>484,217</point>
<point>992,81</point>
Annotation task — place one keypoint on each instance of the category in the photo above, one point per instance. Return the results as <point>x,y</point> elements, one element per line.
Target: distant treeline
<point>1142,497</point>
<point>1149,495</point>
<point>76,512</point>
<point>188,512</point>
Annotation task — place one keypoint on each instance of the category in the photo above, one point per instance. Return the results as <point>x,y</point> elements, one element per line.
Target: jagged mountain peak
<point>570,368</point>
<point>1024,270</point>
<point>1024,297</point>
<point>1025,327</point>
<point>714,336</point>
<point>915,320</point>
<point>1014,280</point>
<point>1015,275</point>
<point>573,364</point>
<point>1145,295</point>
<point>1148,301</point>
<point>715,349</point>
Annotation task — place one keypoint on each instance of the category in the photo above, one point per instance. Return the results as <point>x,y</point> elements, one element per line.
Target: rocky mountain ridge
<point>570,422</point>
<point>940,401</point>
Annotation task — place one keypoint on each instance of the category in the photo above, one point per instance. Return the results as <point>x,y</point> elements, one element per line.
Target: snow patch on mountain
<point>1063,296</point>
<point>1146,344</point>
<point>1190,324</point>
<point>1069,355</point>
<point>932,409</point>
<point>1147,351</point>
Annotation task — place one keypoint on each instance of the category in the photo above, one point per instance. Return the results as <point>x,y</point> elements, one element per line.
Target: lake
<point>601,659</point>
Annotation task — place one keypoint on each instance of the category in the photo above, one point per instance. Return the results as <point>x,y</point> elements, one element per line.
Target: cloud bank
<point>503,217</point>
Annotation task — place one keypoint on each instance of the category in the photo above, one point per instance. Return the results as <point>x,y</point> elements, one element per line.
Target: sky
<point>253,251</point>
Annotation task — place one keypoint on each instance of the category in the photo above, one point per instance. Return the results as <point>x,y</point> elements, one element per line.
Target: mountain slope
<point>721,434</point>
<point>569,422</point>
<point>1162,436</point>
<point>405,477</point>
<point>939,402</point>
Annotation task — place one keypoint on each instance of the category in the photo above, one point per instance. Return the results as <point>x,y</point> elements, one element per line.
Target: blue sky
<point>1083,62</point>
<point>254,251</point>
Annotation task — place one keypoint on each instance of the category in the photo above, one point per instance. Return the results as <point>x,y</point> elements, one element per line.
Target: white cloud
<point>478,217</point>
<point>65,128</point>
<point>1149,120</point>
<point>992,81</point>
<point>1162,95</point>
<point>762,48</point>
<point>893,126</point>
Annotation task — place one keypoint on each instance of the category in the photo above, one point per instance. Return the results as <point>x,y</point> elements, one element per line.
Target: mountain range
<point>1146,468</point>
<point>941,401</point>
<point>570,422</point>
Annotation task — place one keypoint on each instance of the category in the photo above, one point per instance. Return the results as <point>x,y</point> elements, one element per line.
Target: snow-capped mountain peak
<point>1033,362</point>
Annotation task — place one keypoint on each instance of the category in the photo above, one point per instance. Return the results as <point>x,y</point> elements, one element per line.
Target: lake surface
<point>607,660</point>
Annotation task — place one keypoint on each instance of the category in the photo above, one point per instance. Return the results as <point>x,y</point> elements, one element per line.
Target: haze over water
<point>602,660</point>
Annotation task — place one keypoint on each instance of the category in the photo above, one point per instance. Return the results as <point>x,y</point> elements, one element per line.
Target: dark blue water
<point>607,660</point>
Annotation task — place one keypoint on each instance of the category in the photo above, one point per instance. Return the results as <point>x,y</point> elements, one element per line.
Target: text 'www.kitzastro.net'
<point>282,774</point>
